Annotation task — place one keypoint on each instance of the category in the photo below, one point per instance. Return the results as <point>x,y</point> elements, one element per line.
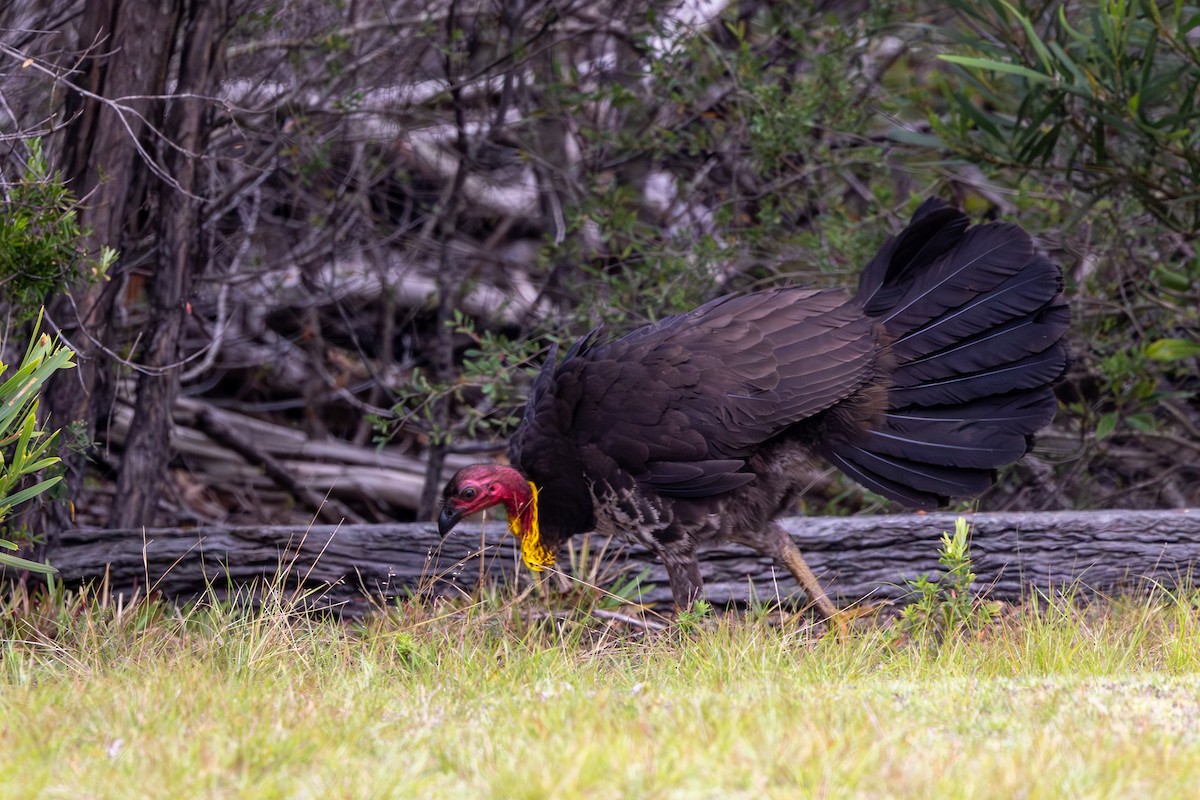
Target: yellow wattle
<point>533,554</point>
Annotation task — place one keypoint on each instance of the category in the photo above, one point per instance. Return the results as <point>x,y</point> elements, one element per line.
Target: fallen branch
<point>327,508</point>
<point>305,467</point>
<point>858,558</point>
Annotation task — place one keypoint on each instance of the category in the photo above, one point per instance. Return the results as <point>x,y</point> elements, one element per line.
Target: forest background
<point>310,253</point>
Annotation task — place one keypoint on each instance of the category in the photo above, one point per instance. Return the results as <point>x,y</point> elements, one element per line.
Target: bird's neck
<point>522,508</point>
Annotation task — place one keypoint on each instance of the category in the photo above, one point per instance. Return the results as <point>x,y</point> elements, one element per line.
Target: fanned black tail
<point>976,320</point>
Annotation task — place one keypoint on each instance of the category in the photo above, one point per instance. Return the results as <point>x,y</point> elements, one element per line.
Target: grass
<point>488,700</point>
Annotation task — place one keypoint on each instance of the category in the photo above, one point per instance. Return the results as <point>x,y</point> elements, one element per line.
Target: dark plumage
<point>693,430</point>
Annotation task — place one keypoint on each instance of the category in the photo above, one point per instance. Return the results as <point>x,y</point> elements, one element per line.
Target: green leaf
<point>1170,279</point>
<point>30,492</point>
<point>917,138</point>
<point>1172,349</point>
<point>1143,422</point>
<point>23,446</point>
<point>21,451</point>
<point>1106,425</point>
<point>24,563</point>
<point>1000,66</point>
<point>1081,85</point>
<point>1031,35</point>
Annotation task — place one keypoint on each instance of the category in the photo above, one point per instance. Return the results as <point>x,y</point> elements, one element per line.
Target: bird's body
<point>696,429</point>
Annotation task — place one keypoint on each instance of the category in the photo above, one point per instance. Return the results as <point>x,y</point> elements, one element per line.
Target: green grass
<point>1050,701</point>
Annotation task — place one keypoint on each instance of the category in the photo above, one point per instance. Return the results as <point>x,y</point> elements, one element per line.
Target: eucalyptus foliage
<point>1106,91</point>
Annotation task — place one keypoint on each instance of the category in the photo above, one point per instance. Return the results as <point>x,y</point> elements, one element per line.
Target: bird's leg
<point>683,570</point>
<point>808,582</point>
<point>786,551</point>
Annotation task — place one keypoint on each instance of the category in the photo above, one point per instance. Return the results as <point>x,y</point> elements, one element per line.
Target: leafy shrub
<point>1106,91</point>
<point>24,449</point>
<point>945,606</point>
<point>39,238</point>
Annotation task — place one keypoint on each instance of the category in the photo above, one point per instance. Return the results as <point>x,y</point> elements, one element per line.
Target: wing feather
<point>681,404</point>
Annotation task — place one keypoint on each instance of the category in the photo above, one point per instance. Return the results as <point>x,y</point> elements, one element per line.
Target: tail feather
<point>926,484</point>
<point>976,320</point>
<point>1024,293</point>
<point>900,492</point>
<point>985,434</point>
<point>935,228</point>
<point>985,257</point>
<point>1034,372</point>
<point>989,349</point>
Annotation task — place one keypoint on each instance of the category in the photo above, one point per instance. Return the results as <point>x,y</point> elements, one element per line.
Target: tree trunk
<point>181,246</point>
<point>129,48</point>
<point>858,559</point>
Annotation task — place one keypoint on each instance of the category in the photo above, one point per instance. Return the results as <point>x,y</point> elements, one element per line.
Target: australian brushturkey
<point>695,429</point>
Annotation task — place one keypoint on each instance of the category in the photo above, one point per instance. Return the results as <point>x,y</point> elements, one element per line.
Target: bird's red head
<point>482,486</point>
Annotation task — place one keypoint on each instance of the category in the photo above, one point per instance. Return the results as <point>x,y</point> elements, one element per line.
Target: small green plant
<point>39,237</point>
<point>945,606</point>
<point>690,619</point>
<point>24,449</point>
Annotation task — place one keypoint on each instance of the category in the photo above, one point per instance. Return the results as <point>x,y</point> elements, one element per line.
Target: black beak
<point>447,519</point>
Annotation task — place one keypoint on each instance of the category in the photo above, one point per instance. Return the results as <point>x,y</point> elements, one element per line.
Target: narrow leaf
<point>1172,349</point>
<point>30,492</point>
<point>1000,66</point>
<point>24,563</point>
<point>1031,35</point>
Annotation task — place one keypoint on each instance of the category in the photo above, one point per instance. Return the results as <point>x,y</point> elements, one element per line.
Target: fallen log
<point>858,558</point>
<point>309,467</point>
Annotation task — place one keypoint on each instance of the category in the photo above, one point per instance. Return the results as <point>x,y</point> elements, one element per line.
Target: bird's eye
<point>468,493</point>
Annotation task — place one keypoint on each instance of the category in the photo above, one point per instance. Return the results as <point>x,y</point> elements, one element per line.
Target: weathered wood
<point>856,557</point>
<point>331,510</point>
<point>321,467</point>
